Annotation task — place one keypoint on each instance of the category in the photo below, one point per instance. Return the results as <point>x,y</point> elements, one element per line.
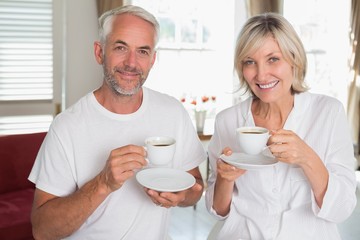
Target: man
<point>85,170</point>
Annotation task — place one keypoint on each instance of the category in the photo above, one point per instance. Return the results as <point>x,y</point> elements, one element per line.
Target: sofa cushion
<point>15,210</point>
<point>17,156</point>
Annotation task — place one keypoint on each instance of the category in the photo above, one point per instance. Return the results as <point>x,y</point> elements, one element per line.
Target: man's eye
<point>120,48</point>
<point>144,52</point>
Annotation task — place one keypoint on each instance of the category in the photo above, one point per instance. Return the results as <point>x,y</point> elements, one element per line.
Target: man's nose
<point>130,58</point>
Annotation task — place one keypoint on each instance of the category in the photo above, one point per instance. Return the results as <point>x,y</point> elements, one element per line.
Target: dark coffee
<point>252,132</point>
<point>161,145</point>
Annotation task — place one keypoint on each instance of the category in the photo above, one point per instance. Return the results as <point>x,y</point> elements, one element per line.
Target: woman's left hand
<point>288,147</point>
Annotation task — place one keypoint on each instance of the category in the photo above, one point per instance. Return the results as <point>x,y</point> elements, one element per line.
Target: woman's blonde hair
<point>254,33</point>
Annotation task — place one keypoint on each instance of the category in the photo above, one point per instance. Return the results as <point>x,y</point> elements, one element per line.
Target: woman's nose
<point>262,72</point>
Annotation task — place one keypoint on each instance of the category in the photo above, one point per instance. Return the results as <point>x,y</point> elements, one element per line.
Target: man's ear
<point>98,51</point>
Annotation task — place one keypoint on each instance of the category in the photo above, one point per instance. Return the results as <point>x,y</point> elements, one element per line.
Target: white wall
<point>75,69</point>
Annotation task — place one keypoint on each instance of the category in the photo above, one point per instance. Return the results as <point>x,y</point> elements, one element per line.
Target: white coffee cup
<point>160,150</point>
<point>252,140</point>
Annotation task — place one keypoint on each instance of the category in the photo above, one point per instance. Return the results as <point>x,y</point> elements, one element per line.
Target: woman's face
<point>267,73</point>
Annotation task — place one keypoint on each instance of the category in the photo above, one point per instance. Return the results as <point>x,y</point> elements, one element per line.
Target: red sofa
<point>17,155</point>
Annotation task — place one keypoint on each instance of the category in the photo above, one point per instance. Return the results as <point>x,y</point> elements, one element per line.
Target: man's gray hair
<point>107,17</point>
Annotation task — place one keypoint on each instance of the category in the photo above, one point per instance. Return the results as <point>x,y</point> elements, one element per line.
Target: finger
<point>282,132</point>
<point>131,160</point>
<point>221,165</point>
<point>121,169</point>
<point>163,198</point>
<point>166,203</point>
<point>128,149</point>
<point>197,187</point>
<point>280,135</point>
<point>227,151</point>
<point>152,193</point>
<point>281,155</point>
<point>278,147</point>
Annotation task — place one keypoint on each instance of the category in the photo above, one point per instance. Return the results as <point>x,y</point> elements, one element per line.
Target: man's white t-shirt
<point>77,147</point>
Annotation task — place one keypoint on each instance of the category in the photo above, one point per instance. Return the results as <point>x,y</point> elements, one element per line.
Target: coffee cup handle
<point>146,159</point>
<point>267,146</point>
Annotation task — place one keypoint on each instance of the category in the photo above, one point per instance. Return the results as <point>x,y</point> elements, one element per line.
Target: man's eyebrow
<point>146,47</point>
<point>121,42</point>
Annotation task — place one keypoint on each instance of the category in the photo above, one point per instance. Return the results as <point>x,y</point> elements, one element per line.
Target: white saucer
<point>248,162</point>
<point>165,179</point>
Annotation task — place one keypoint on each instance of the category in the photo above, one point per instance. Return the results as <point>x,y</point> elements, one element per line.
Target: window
<point>26,65</point>
<point>184,24</point>
<point>26,50</point>
<point>21,124</point>
<point>195,52</point>
<point>323,28</point>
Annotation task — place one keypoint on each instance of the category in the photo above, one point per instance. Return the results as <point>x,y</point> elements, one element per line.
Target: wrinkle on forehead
<point>132,30</point>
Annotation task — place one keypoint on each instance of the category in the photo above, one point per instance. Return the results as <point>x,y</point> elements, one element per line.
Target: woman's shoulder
<point>316,102</point>
<point>321,100</point>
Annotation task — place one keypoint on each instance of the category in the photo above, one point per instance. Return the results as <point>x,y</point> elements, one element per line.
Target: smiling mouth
<point>126,73</point>
<point>269,85</point>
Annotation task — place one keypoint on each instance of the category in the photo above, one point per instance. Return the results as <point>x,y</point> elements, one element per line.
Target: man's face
<point>128,54</point>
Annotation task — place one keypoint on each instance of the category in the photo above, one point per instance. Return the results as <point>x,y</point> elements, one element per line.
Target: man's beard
<point>110,79</point>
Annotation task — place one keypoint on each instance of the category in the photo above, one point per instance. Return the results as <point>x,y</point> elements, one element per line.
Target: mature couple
<point>85,170</point>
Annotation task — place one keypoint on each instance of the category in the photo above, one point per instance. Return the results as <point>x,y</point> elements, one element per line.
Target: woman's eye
<point>248,62</point>
<point>273,59</point>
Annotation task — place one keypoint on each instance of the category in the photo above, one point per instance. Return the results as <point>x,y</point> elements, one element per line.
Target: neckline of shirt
<point>116,116</point>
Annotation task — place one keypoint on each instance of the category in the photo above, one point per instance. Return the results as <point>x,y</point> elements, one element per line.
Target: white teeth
<point>270,85</point>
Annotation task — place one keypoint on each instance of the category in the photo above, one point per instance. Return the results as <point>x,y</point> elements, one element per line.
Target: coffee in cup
<point>160,150</point>
<point>252,140</point>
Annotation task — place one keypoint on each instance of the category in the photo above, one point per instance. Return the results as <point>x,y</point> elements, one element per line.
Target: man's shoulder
<point>161,97</point>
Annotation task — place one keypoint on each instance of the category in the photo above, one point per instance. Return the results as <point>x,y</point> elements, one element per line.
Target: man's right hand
<point>122,164</point>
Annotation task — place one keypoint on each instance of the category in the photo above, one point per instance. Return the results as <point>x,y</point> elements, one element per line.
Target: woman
<point>312,187</point>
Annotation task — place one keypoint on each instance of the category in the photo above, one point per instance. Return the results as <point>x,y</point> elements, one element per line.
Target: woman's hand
<point>224,185</point>
<point>288,147</point>
<point>226,171</point>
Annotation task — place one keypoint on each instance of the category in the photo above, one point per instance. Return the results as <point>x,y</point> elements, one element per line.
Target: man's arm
<point>56,217</point>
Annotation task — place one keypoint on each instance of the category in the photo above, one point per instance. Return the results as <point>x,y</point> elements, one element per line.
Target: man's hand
<point>122,164</point>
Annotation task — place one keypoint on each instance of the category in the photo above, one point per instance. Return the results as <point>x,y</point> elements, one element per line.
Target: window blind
<point>24,124</point>
<point>26,49</point>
